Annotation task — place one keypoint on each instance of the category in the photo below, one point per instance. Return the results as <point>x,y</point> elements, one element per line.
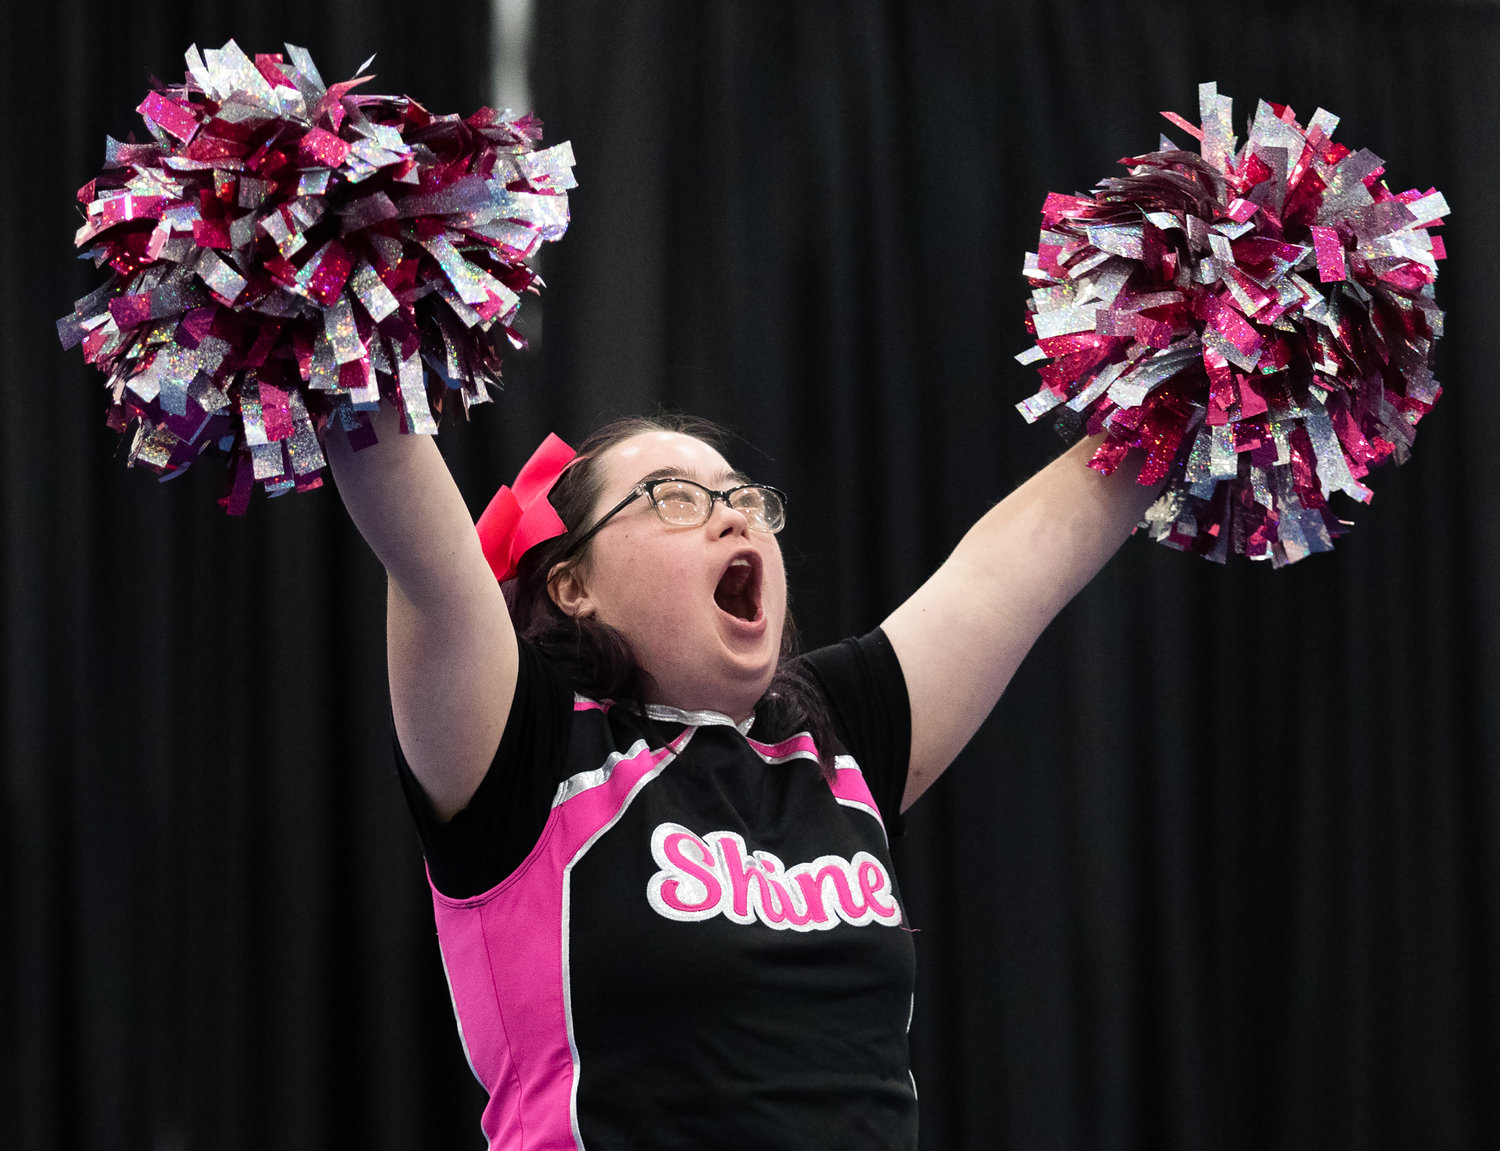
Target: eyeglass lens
<point>687,503</point>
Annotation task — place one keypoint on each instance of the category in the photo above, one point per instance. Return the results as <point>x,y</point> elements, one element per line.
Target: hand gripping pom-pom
<point>1260,322</point>
<point>285,254</point>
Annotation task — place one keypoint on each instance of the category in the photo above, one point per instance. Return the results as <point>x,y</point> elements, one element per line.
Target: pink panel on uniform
<point>503,951</point>
<point>798,745</point>
<point>849,786</point>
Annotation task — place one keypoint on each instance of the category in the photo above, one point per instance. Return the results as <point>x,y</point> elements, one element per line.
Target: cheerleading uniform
<point>660,932</point>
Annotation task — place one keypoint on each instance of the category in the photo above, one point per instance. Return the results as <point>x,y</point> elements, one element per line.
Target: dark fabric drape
<point>1223,869</point>
<point>216,932</point>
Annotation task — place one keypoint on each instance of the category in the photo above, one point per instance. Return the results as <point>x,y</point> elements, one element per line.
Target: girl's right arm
<point>450,646</point>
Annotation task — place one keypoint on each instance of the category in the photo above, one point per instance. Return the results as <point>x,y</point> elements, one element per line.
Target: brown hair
<point>597,658</point>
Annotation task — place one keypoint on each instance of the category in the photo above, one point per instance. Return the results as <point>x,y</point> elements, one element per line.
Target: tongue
<point>733,581</point>
<point>731,592</point>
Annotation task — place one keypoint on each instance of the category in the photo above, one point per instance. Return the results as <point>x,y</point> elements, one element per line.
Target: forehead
<point>648,453</point>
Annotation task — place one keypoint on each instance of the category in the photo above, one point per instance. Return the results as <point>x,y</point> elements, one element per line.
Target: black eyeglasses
<point>683,503</point>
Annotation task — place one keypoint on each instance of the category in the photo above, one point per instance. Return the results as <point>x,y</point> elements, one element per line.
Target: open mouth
<point>738,589</point>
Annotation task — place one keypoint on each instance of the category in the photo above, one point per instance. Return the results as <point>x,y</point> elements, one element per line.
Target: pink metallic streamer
<point>275,236</point>
<point>1260,320</point>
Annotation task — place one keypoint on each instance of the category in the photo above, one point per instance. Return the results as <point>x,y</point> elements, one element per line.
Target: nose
<point>734,521</point>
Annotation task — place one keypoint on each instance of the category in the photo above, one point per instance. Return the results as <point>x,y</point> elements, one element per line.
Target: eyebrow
<point>730,477</point>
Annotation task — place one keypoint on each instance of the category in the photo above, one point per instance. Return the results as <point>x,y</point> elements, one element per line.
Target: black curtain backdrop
<point>1223,869</point>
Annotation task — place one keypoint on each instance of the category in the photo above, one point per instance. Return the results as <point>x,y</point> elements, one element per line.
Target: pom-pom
<point>284,254</point>
<point>1260,322</point>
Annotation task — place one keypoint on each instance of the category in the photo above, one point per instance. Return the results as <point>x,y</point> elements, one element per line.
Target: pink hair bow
<point>519,518</point>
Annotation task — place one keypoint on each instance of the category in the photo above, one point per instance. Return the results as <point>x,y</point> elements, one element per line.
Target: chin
<point>733,689</point>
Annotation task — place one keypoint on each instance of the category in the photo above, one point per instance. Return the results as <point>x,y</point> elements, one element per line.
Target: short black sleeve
<point>489,838</point>
<point>866,691</point>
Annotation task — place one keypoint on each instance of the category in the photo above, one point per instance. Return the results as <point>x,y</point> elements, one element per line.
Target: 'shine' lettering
<point>704,876</point>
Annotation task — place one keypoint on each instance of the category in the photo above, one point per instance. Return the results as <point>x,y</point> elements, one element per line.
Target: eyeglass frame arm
<point>644,488</point>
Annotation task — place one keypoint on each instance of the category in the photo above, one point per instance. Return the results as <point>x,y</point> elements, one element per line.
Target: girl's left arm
<point>963,633</point>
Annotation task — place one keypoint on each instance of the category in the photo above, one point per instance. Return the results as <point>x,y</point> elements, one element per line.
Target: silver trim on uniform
<point>578,784</point>
<point>873,811</point>
<point>697,718</point>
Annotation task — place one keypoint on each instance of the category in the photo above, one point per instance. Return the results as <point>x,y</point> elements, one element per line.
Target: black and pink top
<point>660,932</point>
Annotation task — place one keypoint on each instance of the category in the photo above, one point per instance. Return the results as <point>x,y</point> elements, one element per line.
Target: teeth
<point>742,562</point>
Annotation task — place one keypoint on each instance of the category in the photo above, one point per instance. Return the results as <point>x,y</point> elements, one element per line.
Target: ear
<point>566,587</point>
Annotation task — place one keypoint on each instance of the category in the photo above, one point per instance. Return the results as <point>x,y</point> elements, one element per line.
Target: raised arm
<point>961,636</point>
<point>449,642</point>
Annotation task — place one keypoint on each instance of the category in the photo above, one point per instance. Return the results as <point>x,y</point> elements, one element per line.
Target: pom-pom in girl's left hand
<point>1178,308</point>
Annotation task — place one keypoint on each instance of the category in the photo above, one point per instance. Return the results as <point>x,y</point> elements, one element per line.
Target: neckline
<point>704,718</point>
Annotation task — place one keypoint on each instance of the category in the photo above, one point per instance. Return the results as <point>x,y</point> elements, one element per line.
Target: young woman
<point>657,844</point>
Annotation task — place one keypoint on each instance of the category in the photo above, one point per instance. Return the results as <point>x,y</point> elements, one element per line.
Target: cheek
<point>637,585</point>
<point>775,573</point>
<point>773,593</point>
